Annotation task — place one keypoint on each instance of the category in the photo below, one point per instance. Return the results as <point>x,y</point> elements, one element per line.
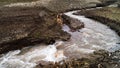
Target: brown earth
<point>28,26</point>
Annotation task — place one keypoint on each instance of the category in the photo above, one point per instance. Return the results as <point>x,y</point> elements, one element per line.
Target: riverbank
<point>109,16</point>
<point>82,46</point>
<point>100,59</point>
<point>26,26</point>
<point>21,21</point>
<point>31,26</point>
<point>54,5</point>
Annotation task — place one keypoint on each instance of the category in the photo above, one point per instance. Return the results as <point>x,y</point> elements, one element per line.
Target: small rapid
<point>94,36</point>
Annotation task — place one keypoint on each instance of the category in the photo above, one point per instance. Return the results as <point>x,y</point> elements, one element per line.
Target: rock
<point>74,24</point>
<point>97,61</point>
<point>116,56</point>
<point>106,59</point>
<point>25,26</point>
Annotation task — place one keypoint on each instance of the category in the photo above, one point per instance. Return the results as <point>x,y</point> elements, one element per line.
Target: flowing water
<point>83,42</point>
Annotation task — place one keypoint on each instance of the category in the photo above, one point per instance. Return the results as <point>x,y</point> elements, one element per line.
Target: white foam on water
<point>30,58</point>
<point>93,37</point>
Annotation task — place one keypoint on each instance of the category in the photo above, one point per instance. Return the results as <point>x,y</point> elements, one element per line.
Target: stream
<point>94,36</point>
